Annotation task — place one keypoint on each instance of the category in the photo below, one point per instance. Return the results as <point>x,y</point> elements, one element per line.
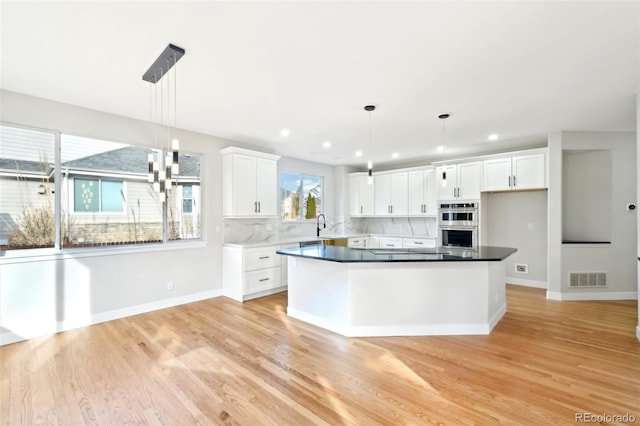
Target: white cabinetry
<point>391,194</point>
<point>515,172</point>
<point>361,195</point>
<point>418,242</point>
<point>251,272</point>
<point>358,242</point>
<point>390,242</point>
<point>422,192</point>
<point>249,183</point>
<point>459,181</point>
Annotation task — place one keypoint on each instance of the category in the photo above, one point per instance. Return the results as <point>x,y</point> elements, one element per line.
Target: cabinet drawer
<point>357,242</point>
<point>262,279</point>
<point>387,242</point>
<point>263,257</point>
<point>418,243</point>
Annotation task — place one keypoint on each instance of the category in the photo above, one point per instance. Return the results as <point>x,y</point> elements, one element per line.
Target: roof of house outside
<point>128,160</point>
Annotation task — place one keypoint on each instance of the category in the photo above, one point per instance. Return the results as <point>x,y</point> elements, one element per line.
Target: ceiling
<point>251,69</point>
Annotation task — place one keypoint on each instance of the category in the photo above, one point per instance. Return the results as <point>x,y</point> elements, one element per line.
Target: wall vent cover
<point>587,279</point>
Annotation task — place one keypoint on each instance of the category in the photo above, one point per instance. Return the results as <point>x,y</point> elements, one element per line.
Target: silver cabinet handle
<point>255,207</point>
<point>258,206</point>
<point>264,279</point>
<point>418,242</point>
<point>509,181</point>
<point>514,181</point>
<point>263,257</point>
<point>390,245</point>
<point>391,207</point>
<point>360,209</point>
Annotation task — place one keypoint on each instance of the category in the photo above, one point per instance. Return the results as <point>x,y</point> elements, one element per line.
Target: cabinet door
<point>431,193</point>
<point>244,185</point>
<point>497,174</point>
<point>469,175</point>
<point>382,199</point>
<point>367,196</point>
<point>417,191</point>
<point>528,171</point>
<point>447,182</point>
<point>398,194</point>
<point>355,207</point>
<point>266,187</point>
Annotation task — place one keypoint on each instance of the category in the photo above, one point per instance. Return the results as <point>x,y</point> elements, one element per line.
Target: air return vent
<point>587,279</point>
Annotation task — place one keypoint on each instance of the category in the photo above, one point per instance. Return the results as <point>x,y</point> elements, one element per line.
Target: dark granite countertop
<point>362,255</point>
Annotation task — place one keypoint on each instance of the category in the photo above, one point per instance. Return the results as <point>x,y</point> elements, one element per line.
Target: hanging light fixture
<point>443,117</point>
<point>162,172</point>
<point>370,108</point>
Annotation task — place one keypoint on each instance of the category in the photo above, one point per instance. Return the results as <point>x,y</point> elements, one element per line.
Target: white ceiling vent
<point>587,279</point>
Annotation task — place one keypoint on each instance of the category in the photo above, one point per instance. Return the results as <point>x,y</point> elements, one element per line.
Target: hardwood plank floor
<point>222,362</point>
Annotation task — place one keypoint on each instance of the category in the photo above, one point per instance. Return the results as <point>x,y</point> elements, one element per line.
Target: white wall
<point>49,294</point>
<point>617,259</point>
<point>519,219</point>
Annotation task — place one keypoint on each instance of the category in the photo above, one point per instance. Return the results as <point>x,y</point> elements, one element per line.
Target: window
<point>96,195</point>
<point>27,215</point>
<point>104,194</point>
<point>300,196</point>
<point>187,199</point>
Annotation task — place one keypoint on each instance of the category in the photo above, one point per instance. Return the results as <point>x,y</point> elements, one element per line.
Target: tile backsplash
<point>258,230</point>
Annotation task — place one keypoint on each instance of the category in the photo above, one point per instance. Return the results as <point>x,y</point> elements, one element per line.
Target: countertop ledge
<point>363,255</point>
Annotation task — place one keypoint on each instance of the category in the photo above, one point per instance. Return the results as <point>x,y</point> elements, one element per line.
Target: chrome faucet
<point>324,224</point>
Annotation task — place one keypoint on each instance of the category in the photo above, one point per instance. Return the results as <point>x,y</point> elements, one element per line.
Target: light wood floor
<point>222,362</point>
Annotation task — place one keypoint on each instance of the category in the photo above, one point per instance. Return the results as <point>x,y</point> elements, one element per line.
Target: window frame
<point>301,176</point>
<point>59,252</point>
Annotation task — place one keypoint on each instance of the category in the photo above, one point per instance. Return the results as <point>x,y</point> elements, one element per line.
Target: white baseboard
<point>526,283</point>
<point>400,330</point>
<point>9,337</point>
<point>592,295</point>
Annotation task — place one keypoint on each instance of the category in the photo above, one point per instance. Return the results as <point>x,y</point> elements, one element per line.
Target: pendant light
<point>370,108</point>
<point>443,117</point>
<point>162,171</point>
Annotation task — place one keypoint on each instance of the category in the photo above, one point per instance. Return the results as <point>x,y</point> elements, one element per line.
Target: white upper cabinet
<point>249,183</point>
<point>515,172</point>
<point>391,194</point>
<point>459,181</point>
<point>361,195</point>
<point>422,192</point>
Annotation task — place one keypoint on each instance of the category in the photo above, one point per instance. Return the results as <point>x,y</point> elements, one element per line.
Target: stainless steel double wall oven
<point>458,225</point>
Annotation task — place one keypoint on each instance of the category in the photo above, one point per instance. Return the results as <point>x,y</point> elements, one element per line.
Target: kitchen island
<point>397,292</point>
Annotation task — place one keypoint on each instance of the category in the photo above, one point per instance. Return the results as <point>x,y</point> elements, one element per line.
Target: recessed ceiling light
<point>326,144</point>
<point>395,155</point>
<point>440,148</point>
<point>493,137</point>
<point>285,132</point>
<point>358,153</point>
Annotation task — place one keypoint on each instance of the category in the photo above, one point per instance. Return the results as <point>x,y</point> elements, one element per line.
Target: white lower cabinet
<point>390,242</point>
<point>418,243</point>
<point>248,273</point>
<point>358,242</point>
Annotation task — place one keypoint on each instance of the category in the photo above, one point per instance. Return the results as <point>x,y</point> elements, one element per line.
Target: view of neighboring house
<point>105,196</point>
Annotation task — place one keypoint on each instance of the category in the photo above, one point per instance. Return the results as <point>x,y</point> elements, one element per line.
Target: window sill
<point>45,254</point>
